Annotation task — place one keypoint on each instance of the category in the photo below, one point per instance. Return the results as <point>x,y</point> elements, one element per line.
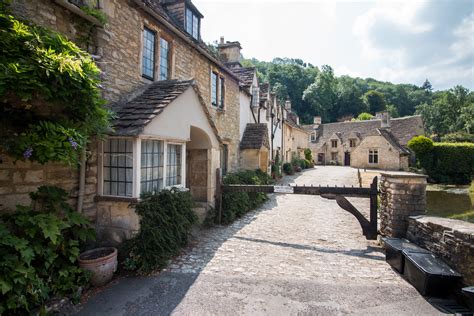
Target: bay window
<point>134,166</point>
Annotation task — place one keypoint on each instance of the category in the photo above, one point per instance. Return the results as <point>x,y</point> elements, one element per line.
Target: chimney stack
<point>384,117</point>
<point>288,105</point>
<point>317,120</point>
<point>229,52</point>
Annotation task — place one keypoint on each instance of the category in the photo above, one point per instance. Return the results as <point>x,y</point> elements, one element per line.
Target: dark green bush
<point>166,219</point>
<point>276,167</point>
<point>234,205</point>
<point>452,163</point>
<point>288,168</point>
<point>458,138</point>
<point>308,154</point>
<point>445,162</point>
<point>39,248</point>
<point>298,164</point>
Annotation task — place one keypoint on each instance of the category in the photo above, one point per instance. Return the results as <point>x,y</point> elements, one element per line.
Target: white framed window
<point>151,167</point>
<point>131,166</point>
<point>118,167</point>
<point>373,156</point>
<point>255,96</point>
<point>174,165</point>
<point>313,137</point>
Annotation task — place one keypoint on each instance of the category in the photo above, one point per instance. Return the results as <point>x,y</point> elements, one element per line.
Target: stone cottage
<point>177,109</point>
<point>258,109</point>
<point>295,136</point>
<point>380,143</point>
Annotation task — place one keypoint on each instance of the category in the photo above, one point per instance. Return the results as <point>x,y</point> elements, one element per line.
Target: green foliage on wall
<point>49,94</point>
<point>234,205</point>
<point>166,219</point>
<point>288,168</point>
<point>364,116</point>
<point>39,248</point>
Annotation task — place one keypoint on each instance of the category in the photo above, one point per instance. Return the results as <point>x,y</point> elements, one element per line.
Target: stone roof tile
<point>255,136</point>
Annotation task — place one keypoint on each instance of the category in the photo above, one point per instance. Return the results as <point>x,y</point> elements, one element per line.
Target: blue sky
<point>397,41</point>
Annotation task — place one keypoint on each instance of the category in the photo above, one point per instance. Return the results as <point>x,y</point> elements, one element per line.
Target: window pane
<point>118,170</point>
<point>214,88</point>
<point>152,166</point>
<point>189,21</point>
<point>222,93</point>
<point>148,57</point>
<point>195,27</point>
<point>174,165</point>
<point>164,59</point>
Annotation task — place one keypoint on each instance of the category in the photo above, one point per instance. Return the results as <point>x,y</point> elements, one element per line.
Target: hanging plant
<point>50,101</point>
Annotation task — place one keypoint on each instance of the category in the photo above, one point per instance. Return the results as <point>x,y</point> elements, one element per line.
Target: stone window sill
<point>71,7</point>
<point>106,198</point>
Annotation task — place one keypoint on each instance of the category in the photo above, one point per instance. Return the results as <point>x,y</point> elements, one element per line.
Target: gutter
<point>82,180</point>
<point>178,32</point>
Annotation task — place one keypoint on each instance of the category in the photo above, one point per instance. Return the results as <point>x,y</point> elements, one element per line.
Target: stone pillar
<point>401,195</point>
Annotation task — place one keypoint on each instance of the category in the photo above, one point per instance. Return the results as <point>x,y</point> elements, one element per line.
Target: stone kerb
<point>402,195</point>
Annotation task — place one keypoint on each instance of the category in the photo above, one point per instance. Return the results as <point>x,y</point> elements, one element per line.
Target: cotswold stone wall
<point>18,179</point>
<point>401,195</point>
<point>450,239</point>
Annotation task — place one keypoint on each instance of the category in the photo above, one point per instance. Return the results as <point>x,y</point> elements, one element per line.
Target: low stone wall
<point>401,195</point>
<point>116,220</point>
<point>450,239</point>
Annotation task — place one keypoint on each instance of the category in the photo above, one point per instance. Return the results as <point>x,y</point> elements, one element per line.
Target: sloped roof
<point>402,129</point>
<point>393,141</point>
<point>246,75</point>
<point>148,102</point>
<point>255,136</point>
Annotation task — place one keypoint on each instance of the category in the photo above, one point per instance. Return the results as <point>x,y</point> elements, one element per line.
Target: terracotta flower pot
<point>102,262</point>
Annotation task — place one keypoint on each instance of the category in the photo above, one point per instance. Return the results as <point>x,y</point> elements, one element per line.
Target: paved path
<point>298,254</point>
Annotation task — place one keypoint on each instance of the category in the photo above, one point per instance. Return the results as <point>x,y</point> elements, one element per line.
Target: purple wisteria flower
<point>73,143</point>
<point>28,153</point>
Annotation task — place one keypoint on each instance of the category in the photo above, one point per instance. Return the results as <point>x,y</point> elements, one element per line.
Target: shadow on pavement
<point>161,294</point>
<point>353,252</point>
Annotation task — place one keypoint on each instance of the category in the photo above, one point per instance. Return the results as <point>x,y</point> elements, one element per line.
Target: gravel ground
<point>297,255</point>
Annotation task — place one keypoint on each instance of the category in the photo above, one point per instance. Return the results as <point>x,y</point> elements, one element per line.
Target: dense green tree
<point>374,100</point>
<point>451,111</point>
<point>321,94</point>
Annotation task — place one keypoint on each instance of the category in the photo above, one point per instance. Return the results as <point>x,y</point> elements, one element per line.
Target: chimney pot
<point>222,40</point>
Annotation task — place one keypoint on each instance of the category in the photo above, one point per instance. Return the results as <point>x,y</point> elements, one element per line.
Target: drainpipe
<point>82,180</point>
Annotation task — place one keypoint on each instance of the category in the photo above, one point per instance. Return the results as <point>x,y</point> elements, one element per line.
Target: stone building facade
<point>200,84</point>
<point>380,143</point>
<point>295,136</point>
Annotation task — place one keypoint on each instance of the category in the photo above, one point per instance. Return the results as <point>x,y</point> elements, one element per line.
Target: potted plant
<point>102,262</point>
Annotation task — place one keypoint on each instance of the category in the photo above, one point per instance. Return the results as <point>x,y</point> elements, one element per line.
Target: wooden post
<point>219,195</point>
<point>373,207</point>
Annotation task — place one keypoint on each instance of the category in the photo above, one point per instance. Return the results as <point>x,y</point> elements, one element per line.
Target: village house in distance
<point>380,143</point>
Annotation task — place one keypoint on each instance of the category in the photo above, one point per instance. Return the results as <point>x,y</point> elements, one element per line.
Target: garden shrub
<point>39,249</point>
<point>288,168</point>
<point>420,145</point>
<point>308,154</point>
<point>236,204</point>
<point>445,162</point>
<point>276,167</point>
<point>166,218</point>
<point>298,164</point>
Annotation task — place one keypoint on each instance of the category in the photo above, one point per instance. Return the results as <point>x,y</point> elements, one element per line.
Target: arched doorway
<point>198,167</point>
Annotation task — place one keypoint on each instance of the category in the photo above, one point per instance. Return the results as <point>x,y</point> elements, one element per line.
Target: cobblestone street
<point>298,254</point>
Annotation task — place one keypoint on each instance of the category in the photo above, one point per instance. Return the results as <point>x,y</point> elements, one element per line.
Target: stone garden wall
<point>401,195</point>
<point>450,239</point>
<point>402,201</point>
